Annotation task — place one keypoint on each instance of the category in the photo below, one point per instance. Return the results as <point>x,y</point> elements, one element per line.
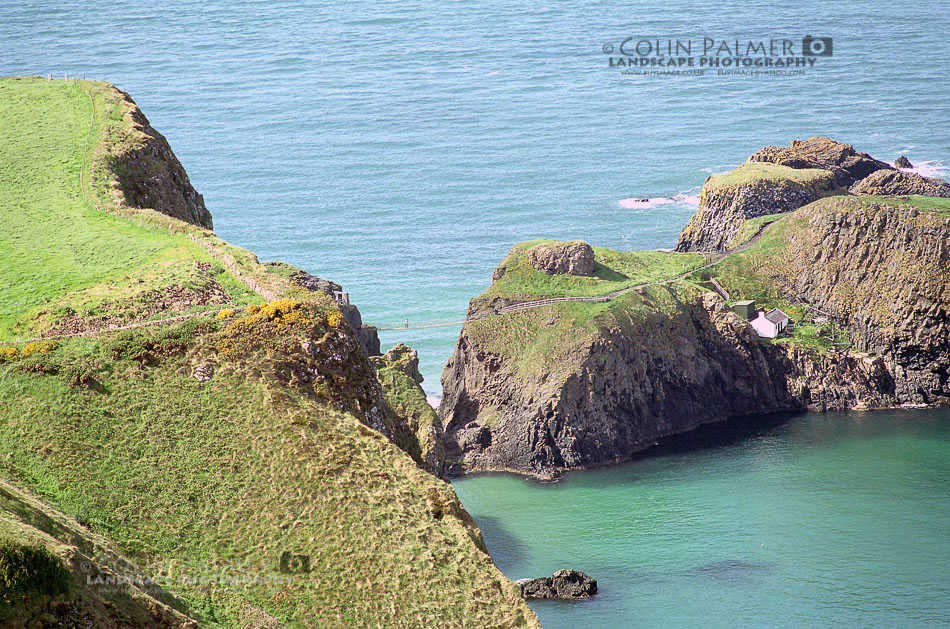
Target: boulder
<point>562,584</point>
<point>897,183</point>
<point>569,258</point>
<point>847,165</point>
<point>903,162</point>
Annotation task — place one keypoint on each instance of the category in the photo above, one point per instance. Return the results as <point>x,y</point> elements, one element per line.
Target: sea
<point>401,148</point>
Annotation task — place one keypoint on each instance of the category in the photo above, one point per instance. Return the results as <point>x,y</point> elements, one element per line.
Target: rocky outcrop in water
<point>847,165</point>
<point>565,584</point>
<point>903,162</point>
<point>674,357</point>
<point>897,183</point>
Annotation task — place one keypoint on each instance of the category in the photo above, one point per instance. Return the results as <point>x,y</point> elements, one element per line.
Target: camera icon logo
<point>294,564</point>
<point>816,46</point>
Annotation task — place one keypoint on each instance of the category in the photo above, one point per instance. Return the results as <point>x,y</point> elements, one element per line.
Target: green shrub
<point>29,569</point>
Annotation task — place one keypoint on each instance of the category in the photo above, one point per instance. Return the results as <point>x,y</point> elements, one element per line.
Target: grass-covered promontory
<point>245,459</point>
<point>613,271</point>
<point>540,339</point>
<point>752,190</point>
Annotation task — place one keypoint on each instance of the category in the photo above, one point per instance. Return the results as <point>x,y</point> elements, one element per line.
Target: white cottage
<point>770,324</point>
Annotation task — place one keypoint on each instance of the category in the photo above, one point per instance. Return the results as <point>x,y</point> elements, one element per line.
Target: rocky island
<point>648,344</point>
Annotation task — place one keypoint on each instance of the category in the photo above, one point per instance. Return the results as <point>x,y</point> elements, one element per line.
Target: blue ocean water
<point>400,148</point>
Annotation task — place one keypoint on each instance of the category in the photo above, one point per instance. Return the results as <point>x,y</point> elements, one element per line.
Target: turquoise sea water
<point>830,520</point>
<point>400,148</point>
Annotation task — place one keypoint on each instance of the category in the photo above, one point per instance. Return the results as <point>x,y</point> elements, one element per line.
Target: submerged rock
<point>562,584</point>
<point>570,258</point>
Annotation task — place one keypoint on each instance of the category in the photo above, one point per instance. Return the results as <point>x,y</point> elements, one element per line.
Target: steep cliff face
<point>398,372</point>
<point>143,168</point>
<point>573,385</point>
<point>883,269</point>
<point>750,191</point>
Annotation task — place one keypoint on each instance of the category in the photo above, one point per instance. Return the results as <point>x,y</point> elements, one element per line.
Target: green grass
<point>269,457</point>
<point>245,468</point>
<point>614,270</point>
<point>60,252</point>
<point>553,339</point>
<point>749,229</point>
<point>408,400</point>
<point>938,205</point>
<point>764,171</point>
<point>822,337</point>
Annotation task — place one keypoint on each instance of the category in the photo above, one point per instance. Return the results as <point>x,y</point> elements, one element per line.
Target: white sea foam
<point>689,197</point>
<point>930,168</point>
<point>433,401</point>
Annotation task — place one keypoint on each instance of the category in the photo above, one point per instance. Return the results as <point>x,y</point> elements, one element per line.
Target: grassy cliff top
<point>68,266</point>
<point>221,448</point>
<point>749,173</point>
<point>613,270</point>
<point>547,339</point>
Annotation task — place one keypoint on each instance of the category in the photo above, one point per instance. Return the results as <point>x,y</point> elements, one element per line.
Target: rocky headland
<point>578,384</point>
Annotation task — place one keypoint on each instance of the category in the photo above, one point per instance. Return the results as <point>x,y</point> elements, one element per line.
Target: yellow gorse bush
<point>334,319</point>
<point>7,353</point>
<point>224,314</point>
<point>39,347</point>
<point>279,313</point>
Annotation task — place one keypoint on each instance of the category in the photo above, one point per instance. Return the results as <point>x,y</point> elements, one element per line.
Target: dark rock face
<point>847,165</point>
<point>563,584</point>
<point>152,177</point>
<point>572,258</point>
<point>896,183</point>
<point>722,210</point>
<point>903,162</point>
<point>314,283</point>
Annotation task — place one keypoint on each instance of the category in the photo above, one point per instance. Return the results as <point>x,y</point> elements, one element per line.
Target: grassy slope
<point>613,270</point>
<point>767,172</point>
<point>245,467</point>
<point>27,523</point>
<point>537,339</point>
<point>60,254</point>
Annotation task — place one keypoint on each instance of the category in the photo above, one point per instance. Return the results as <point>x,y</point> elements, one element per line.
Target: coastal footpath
<point>864,273</point>
<point>190,437</point>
